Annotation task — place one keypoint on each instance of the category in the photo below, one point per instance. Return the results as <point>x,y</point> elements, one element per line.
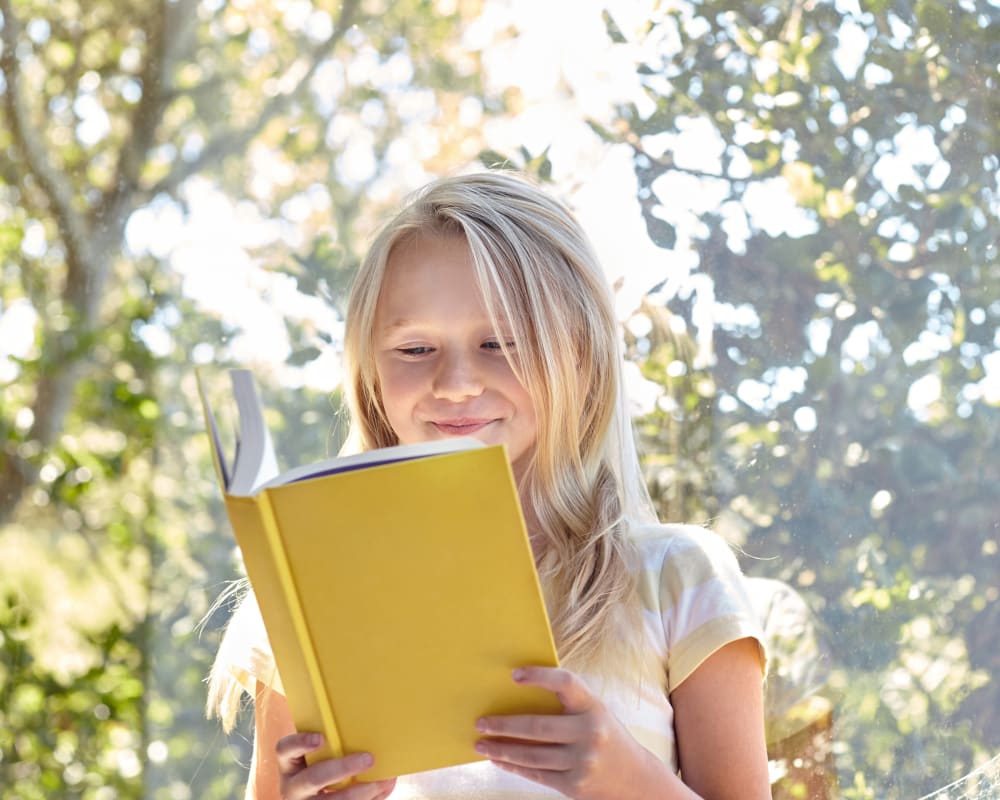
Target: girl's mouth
<point>461,427</point>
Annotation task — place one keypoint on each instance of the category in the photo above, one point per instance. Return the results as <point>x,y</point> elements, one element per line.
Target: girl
<point>482,311</point>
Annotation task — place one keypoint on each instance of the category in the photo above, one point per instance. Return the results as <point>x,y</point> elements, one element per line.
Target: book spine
<point>298,618</point>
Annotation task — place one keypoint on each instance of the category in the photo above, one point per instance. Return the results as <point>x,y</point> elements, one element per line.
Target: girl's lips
<point>461,427</point>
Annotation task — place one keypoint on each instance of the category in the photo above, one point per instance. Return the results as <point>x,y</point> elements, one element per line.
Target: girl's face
<point>440,367</point>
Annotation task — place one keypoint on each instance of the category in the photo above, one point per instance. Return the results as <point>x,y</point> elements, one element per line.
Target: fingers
<point>309,781</point>
<point>568,751</point>
<point>292,750</point>
<point>568,687</point>
<point>549,728</point>
<point>547,757</point>
<point>364,791</point>
<point>301,782</point>
<point>579,710</point>
<point>386,788</point>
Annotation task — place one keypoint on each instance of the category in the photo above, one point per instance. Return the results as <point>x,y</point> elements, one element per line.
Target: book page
<point>372,458</point>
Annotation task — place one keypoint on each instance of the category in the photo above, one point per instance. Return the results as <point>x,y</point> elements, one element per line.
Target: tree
<point>841,355</point>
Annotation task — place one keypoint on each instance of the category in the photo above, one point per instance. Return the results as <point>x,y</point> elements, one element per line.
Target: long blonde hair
<point>543,283</point>
<point>583,488</point>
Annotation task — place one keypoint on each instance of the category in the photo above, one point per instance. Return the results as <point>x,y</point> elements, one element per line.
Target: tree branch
<point>147,112</point>
<point>81,290</point>
<point>54,390</point>
<point>109,216</point>
<point>171,29</point>
<point>180,21</point>
<point>56,188</point>
<point>239,140</point>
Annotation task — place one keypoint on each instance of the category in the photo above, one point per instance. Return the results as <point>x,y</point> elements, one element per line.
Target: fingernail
<point>481,725</point>
<point>481,748</point>
<point>518,674</point>
<point>367,759</point>
<point>314,740</point>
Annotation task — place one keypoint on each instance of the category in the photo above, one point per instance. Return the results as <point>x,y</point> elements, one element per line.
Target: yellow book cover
<point>397,587</point>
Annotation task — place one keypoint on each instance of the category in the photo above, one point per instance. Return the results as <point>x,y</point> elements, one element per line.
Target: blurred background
<point>797,202</point>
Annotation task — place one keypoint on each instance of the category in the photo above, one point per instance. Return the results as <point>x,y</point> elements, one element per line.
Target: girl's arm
<point>586,754</point>
<point>719,723</point>
<point>278,768</point>
<point>272,721</point>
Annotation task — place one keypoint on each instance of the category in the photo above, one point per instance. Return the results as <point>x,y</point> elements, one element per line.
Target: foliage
<point>828,404</point>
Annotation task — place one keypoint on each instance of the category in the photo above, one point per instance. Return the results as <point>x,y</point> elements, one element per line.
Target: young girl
<point>482,311</point>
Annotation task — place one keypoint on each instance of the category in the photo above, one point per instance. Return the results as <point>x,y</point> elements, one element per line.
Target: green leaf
<point>303,356</point>
<point>494,160</point>
<point>612,29</point>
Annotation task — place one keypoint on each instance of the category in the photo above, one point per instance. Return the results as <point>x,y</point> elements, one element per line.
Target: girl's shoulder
<point>686,561</point>
<point>656,543</point>
<point>691,580</point>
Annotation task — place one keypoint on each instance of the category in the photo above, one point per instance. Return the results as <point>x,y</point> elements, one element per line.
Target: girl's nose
<point>457,377</point>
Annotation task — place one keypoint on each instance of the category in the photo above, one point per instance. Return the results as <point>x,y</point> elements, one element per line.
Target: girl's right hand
<point>298,781</point>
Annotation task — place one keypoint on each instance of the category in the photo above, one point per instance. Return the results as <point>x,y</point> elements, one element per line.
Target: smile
<point>461,427</point>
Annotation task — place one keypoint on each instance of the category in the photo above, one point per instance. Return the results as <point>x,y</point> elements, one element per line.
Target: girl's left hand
<point>585,752</point>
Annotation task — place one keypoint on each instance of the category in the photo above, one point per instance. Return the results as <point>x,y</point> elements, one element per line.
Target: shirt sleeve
<point>704,604</point>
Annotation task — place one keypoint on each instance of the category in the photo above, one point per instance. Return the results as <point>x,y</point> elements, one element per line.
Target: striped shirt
<point>694,601</point>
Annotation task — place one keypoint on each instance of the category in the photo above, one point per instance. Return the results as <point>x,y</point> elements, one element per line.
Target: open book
<point>254,466</point>
<point>397,588</point>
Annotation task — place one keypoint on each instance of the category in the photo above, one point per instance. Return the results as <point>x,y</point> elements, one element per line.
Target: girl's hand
<point>298,781</point>
<point>585,752</point>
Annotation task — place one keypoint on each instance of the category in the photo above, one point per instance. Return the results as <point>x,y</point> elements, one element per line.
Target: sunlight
<point>17,336</point>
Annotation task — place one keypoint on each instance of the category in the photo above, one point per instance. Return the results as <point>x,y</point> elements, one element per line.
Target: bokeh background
<point>797,202</point>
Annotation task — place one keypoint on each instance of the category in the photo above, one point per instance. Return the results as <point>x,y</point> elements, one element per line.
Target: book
<point>397,588</point>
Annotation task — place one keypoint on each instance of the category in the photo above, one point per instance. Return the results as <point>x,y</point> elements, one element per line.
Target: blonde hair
<point>544,286</point>
<point>225,693</point>
<point>582,488</point>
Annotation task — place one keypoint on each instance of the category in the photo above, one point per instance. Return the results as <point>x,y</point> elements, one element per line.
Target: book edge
<point>333,747</point>
<point>371,458</point>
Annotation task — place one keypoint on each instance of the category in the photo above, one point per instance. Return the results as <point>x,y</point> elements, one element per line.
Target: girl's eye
<point>492,344</point>
<point>419,350</point>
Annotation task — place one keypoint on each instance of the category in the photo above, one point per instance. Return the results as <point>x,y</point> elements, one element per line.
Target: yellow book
<point>397,587</point>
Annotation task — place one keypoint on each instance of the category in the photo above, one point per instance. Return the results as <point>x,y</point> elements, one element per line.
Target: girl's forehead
<point>420,270</point>
<point>435,275</point>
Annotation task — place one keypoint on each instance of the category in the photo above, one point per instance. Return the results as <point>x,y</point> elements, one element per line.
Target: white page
<point>255,462</point>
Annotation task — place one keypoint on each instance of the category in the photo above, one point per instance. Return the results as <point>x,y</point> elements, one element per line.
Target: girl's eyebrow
<point>401,322</point>
<point>406,322</point>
